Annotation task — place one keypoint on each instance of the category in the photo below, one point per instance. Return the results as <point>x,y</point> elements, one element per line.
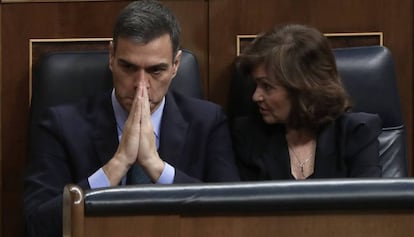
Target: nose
<point>257,95</point>
<point>141,76</point>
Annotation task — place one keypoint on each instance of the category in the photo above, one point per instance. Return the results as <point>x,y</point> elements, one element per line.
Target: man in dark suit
<point>136,133</point>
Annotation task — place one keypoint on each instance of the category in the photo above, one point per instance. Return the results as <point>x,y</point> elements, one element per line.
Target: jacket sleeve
<point>48,171</point>
<point>362,145</point>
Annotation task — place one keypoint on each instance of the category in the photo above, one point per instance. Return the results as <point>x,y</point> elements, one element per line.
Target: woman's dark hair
<point>299,58</point>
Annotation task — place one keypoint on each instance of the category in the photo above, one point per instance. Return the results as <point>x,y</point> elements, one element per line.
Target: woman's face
<point>272,99</point>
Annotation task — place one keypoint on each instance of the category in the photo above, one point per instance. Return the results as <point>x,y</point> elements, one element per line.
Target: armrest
<point>241,197</point>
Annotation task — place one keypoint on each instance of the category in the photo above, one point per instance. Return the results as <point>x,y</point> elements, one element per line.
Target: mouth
<point>263,112</point>
<point>262,109</point>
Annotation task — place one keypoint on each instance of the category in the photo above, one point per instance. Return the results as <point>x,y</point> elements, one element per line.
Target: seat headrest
<point>368,74</point>
<point>63,77</point>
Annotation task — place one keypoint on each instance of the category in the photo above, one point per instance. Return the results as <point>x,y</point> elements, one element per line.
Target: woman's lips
<point>263,110</point>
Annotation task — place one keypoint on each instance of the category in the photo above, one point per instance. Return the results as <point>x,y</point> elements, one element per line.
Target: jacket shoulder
<point>196,108</point>
<point>361,119</point>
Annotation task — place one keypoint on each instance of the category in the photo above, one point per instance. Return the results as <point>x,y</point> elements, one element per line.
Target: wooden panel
<point>129,226</point>
<point>300,224</point>
<point>32,1</point>
<point>249,17</point>
<point>193,17</point>
<point>284,225</point>
<point>35,20</point>
<point>209,30</point>
<point>343,40</point>
<point>1,125</point>
<point>336,40</point>
<point>353,16</point>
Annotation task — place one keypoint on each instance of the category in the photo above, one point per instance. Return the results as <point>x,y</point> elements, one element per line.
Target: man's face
<point>152,62</point>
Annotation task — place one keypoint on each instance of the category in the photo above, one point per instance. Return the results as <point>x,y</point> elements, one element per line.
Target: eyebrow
<point>160,65</point>
<point>260,79</point>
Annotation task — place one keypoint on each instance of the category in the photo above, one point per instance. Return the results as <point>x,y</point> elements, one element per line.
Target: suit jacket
<point>73,141</point>
<point>347,147</point>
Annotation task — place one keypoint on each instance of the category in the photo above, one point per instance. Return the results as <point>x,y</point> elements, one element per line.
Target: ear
<point>176,62</point>
<point>111,54</point>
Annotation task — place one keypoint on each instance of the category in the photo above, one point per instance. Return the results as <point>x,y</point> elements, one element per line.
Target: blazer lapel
<point>173,132</point>
<point>275,155</point>
<point>105,135</point>
<point>328,163</point>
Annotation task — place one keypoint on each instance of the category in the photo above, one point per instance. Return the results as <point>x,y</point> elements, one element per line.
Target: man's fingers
<point>146,107</point>
<point>132,125</point>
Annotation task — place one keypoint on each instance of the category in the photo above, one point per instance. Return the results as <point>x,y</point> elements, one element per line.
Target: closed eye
<point>266,86</point>
<point>157,69</point>
<point>127,66</point>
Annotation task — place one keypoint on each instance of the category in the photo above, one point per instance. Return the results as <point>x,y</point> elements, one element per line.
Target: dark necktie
<point>136,175</point>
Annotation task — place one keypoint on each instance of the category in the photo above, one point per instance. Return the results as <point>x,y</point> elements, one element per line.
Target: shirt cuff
<point>167,175</point>
<point>98,180</point>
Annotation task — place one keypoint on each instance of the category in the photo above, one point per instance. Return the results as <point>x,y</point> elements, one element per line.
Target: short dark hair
<point>143,21</point>
<point>299,58</point>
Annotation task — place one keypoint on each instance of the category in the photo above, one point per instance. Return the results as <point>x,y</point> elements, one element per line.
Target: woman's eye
<point>267,87</point>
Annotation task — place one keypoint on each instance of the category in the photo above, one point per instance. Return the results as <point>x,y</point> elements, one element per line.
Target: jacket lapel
<point>275,155</point>
<point>328,161</point>
<point>105,135</point>
<point>173,132</point>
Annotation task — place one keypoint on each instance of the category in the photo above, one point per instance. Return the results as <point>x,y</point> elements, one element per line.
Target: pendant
<point>302,171</point>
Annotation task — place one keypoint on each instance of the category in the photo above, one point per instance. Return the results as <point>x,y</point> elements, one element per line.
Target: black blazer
<point>347,147</point>
<point>73,141</point>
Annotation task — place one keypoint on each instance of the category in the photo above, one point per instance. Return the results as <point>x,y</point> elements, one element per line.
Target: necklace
<point>302,163</point>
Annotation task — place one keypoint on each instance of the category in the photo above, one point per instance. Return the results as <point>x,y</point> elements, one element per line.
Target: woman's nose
<point>257,96</point>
